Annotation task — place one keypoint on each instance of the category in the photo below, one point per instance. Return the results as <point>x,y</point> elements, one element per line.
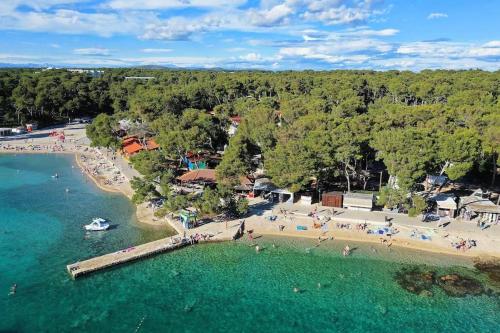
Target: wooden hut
<point>446,206</point>
<point>332,199</point>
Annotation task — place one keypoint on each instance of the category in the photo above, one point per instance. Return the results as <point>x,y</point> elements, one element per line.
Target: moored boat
<point>98,224</point>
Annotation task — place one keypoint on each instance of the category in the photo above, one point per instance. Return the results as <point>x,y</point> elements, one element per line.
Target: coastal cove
<point>41,232</point>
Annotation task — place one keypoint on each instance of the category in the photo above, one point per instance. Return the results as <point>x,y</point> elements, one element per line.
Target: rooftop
<point>198,176</point>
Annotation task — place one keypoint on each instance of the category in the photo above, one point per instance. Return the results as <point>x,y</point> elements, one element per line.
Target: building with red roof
<point>132,145</point>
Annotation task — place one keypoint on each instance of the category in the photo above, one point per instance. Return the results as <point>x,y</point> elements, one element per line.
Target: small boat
<point>98,224</point>
<point>55,176</point>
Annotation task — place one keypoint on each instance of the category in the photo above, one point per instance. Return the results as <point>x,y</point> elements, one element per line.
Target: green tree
<point>102,132</point>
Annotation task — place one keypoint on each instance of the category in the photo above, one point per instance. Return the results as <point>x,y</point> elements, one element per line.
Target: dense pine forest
<point>331,129</point>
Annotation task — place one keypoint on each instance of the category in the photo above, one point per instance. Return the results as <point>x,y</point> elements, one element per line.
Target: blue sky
<point>253,34</point>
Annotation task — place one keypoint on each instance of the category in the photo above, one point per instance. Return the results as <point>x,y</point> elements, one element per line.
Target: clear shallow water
<point>207,288</point>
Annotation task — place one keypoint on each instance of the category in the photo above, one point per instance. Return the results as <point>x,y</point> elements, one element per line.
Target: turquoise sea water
<point>224,287</point>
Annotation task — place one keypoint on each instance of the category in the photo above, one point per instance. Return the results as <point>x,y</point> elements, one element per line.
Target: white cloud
<point>252,57</point>
<point>375,33</point>
<point>339,15</point>
<point>274,16</point>
<point>92,51</point>
<point>338,12</point>
<point>431,48</point>
<point>493,43</point>
<point>178,28</point>
<point>433,16</point>
<point>451,49</point>
<point>75,22</point>
<point>421,63</point>
<point>7,6</point>
<point>156,50</point>
<point>166,4</point>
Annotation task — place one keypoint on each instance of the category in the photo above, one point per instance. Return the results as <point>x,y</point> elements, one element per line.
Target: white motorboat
<point>98,224</point>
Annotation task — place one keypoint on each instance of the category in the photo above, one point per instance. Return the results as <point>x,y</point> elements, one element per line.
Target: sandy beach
<point>342,226</point>
<point>111,173</point>
<point>103,168</point>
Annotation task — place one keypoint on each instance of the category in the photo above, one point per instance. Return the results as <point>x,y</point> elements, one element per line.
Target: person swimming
<point>13,289</point>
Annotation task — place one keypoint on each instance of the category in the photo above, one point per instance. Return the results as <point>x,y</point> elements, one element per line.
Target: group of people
<point>196,238</point>
<point>463,244</point>
<point>96,165</point>
<point>361,226</point>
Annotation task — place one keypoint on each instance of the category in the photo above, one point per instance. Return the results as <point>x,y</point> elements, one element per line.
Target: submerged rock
<point>459,286</point>
<point>415,281</point>
<point>421,282</point>
<point>491,269</point>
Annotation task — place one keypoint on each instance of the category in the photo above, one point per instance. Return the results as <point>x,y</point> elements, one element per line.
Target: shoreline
<point>100,169</point>
<point>400,243</point>
<point>94,179</point>
<point>143,217</point>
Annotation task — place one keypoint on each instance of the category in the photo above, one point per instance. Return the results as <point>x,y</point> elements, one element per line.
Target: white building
<point>358,201</point>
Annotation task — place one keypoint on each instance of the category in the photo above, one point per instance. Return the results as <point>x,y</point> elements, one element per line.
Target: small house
<point>477,208</point>
<point>5,131</point>
<point>32,126</point>
<point>188,218</point>
<point>199,176</point>
<point>306,199</point>
<point>132,145</point>
<point>358,201</point>
<point>432,181</point>
<point>266,188</point>
<point>332,199</point>
<point>195,161</point>
<point>19,130</point>
<point>245,186</point>
<point>446,205</point>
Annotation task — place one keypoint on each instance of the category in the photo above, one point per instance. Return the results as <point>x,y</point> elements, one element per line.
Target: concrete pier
<point>216,233</point>
<point>123,256</point>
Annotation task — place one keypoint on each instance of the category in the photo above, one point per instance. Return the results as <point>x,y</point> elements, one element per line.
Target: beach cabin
<point>195,161</point>
<point>19,130</point>
<point>188,219</point>
<point>132,148</point>
<point>32,126</point>
<point>199,176</point>
<point>358,201</point>
<point>306,199</point>
<point>446,205</point>
<point>332,199</point>
<point>132,145</point>
<point>245,186</point>
<point>266,188</point>
<point>5,131</point>
<point>479,209</point>
<point>432,181</point>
